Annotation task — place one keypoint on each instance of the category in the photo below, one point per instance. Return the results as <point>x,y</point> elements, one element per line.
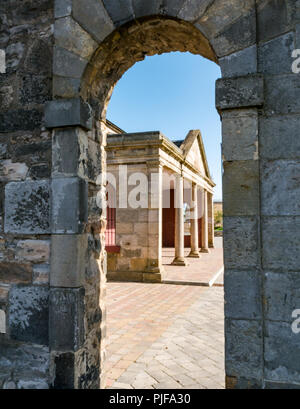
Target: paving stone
<point>168,364</point>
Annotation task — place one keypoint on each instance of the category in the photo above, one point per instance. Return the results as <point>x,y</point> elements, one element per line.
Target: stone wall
<point>25,167</point>
<point>49,190</point>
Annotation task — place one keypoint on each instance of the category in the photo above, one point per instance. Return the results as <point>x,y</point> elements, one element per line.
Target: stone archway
<point>95,43</point>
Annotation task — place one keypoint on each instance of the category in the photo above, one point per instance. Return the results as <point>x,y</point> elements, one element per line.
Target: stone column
<point>204,231</point>
<point>179,223</point>
<point>211,235</point>
<point>154,268</point>
<point>194,224</point>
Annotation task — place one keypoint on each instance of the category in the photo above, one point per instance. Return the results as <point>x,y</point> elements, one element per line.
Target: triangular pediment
<point>194,153</point>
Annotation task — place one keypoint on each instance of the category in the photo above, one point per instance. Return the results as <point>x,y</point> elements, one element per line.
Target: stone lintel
<point>68,112</point>
<point>240,92</point>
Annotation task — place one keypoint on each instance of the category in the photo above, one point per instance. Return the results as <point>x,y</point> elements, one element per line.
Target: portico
<point>168,192</point>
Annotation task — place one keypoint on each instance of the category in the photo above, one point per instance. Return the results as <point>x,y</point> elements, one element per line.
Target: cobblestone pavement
<point>165,336</point>
<point>201,271</point>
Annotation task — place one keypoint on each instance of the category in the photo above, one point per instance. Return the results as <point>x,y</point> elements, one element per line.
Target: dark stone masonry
<point>63,58</point>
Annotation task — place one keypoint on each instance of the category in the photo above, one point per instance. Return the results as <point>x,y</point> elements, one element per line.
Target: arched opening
<point>141,353</point>
<point>136,255</point>
<point>52,317</point>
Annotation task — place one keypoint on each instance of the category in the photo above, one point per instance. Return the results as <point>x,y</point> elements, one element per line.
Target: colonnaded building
<point>59,63</point>
<point>174,206</point>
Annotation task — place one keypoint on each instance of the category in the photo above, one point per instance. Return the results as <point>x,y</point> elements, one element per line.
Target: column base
<point>194,254</point>
<point>179,261</point>
<point>204,250</point>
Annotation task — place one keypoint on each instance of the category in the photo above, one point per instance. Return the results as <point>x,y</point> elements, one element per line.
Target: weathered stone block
<point>10,171</point>
<point>20,120</point>
<point>275,56</point>
<point>64,371</point>
<point>138,264</point>
<point>170,7</point>
<point>69,205</point>
<point>282,94</point>
<point>39,56</point>
<point>68,260</point>
<point>68,112</point>
<point>233,382</point>
<point>241,188</point>
<point>27,207</point>
<point>66,319</point>
<point>69,152</point>
<point>281,243</point>
<point>243,349</point>
<point>65,87</point>
<point>33,250</point>
<point>280,385</point>
<point>240,92</point>
<point>241,243</point>
<point>282,295</point>
<point>240,63</point>
<point>272,19</point>
<point>24,363</point>
<point>33,384</point>
<point>239,35</point>
<point>141,228</point>
<point>35,89</point>
<point>62,8</point>
<point>120,11</point>
<point>275,130</point>
<point>192,10</point>
<point>125,228</point>
<point>67,64</point>
<point>148,8</point>
<point>242,294</point>
<point>282,353</point>
<point>14,273</point>
<point>14,55</point>
<point>93,17</point>
<point>72,37</point>
<point>219,15</point>
<point>4,291</point>
<point>95,159</point>
<point>2,322</point>
<point>41,274</point>
<point>280,188</point>
<point>240,134</point>
<point>28,314</point>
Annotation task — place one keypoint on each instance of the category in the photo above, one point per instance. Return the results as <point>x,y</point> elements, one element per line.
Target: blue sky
<point>172,93</point>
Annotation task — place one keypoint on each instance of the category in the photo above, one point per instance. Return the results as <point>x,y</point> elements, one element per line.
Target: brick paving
<point>198,271</point>
<point>164,336</point>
